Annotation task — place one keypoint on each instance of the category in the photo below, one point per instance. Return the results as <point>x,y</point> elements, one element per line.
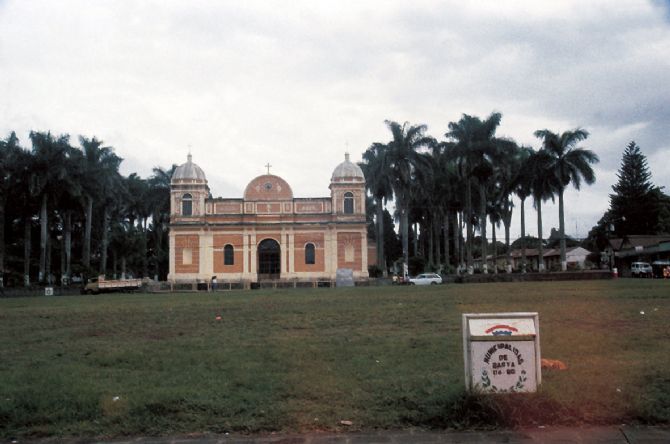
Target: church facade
<point>268,234</point>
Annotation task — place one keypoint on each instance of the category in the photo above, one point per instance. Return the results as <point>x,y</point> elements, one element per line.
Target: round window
<point>268,186</point>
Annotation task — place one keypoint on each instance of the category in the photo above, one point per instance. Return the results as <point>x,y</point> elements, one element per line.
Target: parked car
<point>640,269</point>
<point>426,279</point>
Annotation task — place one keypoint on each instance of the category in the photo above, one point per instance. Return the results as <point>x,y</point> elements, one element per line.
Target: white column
<point>252,268</point>
<point>283,249</point>
<point>364,252</point>
<point>245,252</point>
<point>206,268</point>
<point>291,252</point>
<point>173,252</point>
<point>331,252</point>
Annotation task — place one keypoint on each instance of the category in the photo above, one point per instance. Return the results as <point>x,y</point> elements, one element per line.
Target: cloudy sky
<point>298,83</point>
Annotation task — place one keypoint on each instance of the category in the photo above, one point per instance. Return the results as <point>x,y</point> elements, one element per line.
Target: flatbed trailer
<point>102,285</point>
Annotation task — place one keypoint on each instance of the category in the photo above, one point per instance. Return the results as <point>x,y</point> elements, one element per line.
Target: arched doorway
<point>269,259</point>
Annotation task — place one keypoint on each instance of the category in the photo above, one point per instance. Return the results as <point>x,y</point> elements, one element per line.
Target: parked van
<point>640,269</point>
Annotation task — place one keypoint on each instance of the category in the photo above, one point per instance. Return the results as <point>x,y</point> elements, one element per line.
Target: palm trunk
<point>523,236</point>
<point>431,244</point>
<point>462,243</point>
<point>404,228</point>
<point>507,221</point>
<point>540,248</point>
<point>47,264</point>
<point>381,262</point>
<point>468,224</point>
<point>86,253</point>
<point>404,233</point>
<point>27,235</point>
<point>104,241</point>
<point>495,248</point>
<point>482,224</point>
<point>63,275</point>
<point>446,240</point>
<point>67,238</point>
<point>415,228</point>
<point>561,228</point>
<point>145,263</point>
<point>2,241</point>
<point>43,239</point>
<point>438,249</point>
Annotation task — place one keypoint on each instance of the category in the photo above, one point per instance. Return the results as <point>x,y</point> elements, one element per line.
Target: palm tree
<point>159,193</point>
<point>50,175</point>
<point>9,156</point>
<point>477,148</point>
<point>569,164</point>
<point>100,179</point>
<point>378,181</point>
<point>542,186</point>
<point>521,186</point>
<point>139,209</point>
<point>404,160</point>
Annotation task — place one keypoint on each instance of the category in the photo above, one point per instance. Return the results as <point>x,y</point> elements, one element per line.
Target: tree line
<point>463,183</point>
<point>66,211</point>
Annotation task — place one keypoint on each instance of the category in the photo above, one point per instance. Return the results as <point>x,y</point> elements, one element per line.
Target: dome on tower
<point>189,171</point>
<point>347,171</point>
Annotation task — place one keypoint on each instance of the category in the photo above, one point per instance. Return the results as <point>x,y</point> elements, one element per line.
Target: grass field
<point>297,360</point>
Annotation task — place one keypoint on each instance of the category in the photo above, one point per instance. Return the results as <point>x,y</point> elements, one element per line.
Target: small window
<point>310,256</point>
<point>187,205</point>
<point>348,203</point>
<point>228,255</point>
<point>187,256</point>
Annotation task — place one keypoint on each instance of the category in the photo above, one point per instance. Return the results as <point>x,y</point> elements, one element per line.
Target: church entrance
<point>269,259</point>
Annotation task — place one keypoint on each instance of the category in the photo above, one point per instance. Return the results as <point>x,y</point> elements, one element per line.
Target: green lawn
<point>296,360</point>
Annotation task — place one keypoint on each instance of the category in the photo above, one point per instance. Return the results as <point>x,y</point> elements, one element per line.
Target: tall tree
<point>51,178</point>
<point>100,169</point>
<point>522,187</point>
<point>633,205</point>
<point>569,164</point>
<point>378,182</point>
<point>159,203</point>
<point>404,160</point>
<point>9,165</point>
<point>477,147</point>
<point>543,186</point>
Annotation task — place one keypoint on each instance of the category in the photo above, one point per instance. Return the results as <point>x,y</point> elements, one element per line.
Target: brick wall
<point>220,241</point>
<point>187,241</point>
<point>300,240</point>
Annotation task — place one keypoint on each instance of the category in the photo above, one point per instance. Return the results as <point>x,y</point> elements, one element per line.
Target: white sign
<point>502,367</point>
<point>501,352</point>
<point>48,291</point>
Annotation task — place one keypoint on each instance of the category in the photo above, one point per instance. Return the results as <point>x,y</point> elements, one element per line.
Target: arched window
<point>228,255</point>
<point>310,256</point>
<point>348,203</point>
<point>187,205</point>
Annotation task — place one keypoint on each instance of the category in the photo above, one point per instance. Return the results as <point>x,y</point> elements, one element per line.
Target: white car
<point>426,279</point>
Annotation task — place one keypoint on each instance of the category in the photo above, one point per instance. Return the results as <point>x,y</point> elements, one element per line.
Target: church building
<point>268,234</point>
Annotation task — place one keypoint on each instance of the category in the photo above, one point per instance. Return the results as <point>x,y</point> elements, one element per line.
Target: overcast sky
<point>299,83</point>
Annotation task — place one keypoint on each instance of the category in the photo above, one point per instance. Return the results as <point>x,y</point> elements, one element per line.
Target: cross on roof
<point>268,167</point>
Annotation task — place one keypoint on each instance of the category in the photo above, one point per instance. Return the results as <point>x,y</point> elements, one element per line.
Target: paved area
<point>563,435</point>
